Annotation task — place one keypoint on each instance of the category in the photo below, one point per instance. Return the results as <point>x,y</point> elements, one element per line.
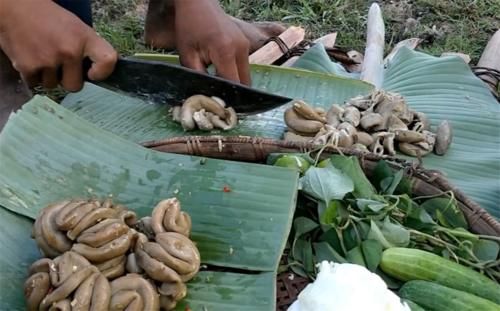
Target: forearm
<point>160,6</point>
<point>158,9</point>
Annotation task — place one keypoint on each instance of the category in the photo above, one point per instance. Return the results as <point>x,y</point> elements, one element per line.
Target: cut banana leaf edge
<point>49,154</point>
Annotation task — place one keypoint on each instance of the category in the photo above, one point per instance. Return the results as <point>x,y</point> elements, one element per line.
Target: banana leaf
<point>18,252</point>
<point>443,88</point>
<point>230,291</point>
<point>139,121</point>
<point>48,153</point>
<point>446,89</point>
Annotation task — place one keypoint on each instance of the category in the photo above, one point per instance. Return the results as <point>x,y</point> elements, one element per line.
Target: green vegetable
<point>350,167</point>
<point>326,184</point>
<point>357,223</point>
<point>293,161</point>
<point>412,264</point>
<point>446,212</point>
<point>438,297</point>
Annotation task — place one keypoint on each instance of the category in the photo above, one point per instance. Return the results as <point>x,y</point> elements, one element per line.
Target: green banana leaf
<point>443,88</point>
<point>230,291</point>
<point>446,89</point>
<point>48,154</point>
<point>138,121</point>
<point>209,290</point>
<point>19,250</point>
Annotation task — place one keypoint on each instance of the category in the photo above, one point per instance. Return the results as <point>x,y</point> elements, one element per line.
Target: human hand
<point>206,35</point>
<point>43,40</point>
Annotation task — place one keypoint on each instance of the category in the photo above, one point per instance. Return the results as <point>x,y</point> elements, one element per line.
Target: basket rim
<point>197,146</point>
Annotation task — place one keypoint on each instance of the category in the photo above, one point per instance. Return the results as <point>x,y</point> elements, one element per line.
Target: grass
<point>455,25</point>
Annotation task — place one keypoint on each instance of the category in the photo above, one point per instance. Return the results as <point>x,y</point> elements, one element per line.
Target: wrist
<point>194,3</point>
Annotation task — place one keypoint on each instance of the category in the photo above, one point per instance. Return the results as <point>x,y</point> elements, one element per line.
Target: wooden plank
<point>357,57</point>
<point>289,62</point>
<point>327,40</point>
<point>411,43</point>
<point>271,52</point>
<point>491,59</point>
<point>373,64</point>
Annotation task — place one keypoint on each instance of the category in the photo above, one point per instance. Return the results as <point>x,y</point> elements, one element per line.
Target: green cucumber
<point>433,296</point>
<point>409,264</point>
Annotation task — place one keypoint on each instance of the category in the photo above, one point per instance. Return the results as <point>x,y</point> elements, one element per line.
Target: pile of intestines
<point>380,122</point>
<point>99,257</point>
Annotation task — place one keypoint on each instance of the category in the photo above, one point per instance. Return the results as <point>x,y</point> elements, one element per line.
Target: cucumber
<point>433,296</point>
<point>408,264</point>
<point>413,306</point>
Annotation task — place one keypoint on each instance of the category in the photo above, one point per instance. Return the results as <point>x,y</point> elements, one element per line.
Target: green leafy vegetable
<point>390,184</point>
<point>326,184</point>
<point>381,172</point>
<point>350,237</point>
<point>389,234</point>
<point>486,250</point>
<point>324,251</point>
<point>299,249</point>
<point>350,166</point>
<point>366,205</point>
<point>355,256</point>
<point>303,225</point>
<point>332,238</point>
<point>446,212</point>
<point>357,228</point>
<point>372,252</point>
<point>331,213</point>
<point>395,234</point>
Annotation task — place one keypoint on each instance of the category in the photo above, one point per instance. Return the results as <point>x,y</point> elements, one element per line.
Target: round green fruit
<point>324,163</point>
<point>293,161</point>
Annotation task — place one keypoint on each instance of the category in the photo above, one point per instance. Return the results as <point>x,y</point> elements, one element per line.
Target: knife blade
<point>164,83</point>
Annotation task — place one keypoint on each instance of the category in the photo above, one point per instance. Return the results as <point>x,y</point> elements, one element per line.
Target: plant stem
<point>449,192</point>
<point>341,240</point>
<point>489,237</point>
<point>470,263</point>
<point>432,238</point>
<point>492,264</point>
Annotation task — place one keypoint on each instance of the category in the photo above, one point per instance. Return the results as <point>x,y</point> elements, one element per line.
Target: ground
<point>454,25</point>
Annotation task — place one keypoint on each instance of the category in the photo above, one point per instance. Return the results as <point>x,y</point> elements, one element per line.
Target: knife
<point>165,83</point>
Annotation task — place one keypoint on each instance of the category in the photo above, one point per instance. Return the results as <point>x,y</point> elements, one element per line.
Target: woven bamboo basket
<point>256,150</point>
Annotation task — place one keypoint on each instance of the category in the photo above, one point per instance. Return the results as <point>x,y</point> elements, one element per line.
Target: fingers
<point>49,78</point>
<point>226,67</point>
<point>232,62</point>
<point>193,60</point>
<point>31,78</point>
<point>72,76</point>
<point>102,55</point>
<point>244,69</point>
